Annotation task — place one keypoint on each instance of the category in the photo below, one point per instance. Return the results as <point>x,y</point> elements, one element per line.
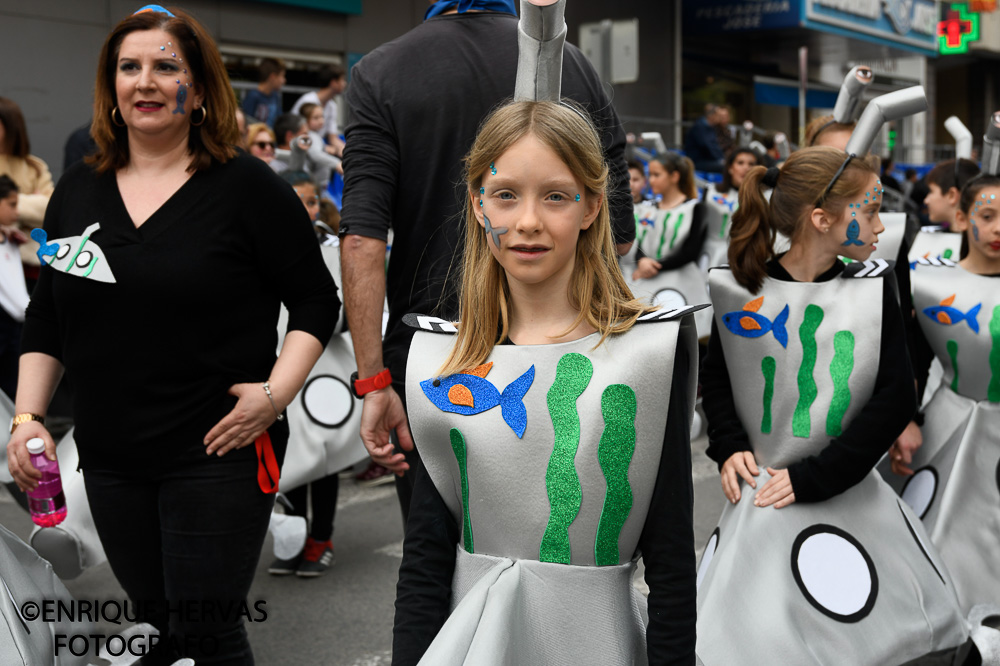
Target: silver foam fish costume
<point>660,234</point>
<point>851,580</point>
<point>956,485</point>
<point>719,209</point>
<point>931,247</point>
<point>546,533</point>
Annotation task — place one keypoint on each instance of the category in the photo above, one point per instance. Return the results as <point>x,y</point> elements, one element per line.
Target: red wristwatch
<point>359,387</point>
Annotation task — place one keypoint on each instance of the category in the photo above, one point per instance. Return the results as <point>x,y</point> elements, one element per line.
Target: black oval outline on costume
<point>64,254</point>
<point>90,259</point>
<point>715,533</point>
<point>923,550</point>
<point>872,595</point>
<point>312,418</point>
<point>660,291</point>
<point>937,480</point>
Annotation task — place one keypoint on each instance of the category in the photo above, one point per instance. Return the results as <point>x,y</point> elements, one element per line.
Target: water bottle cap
<point>36,445</point>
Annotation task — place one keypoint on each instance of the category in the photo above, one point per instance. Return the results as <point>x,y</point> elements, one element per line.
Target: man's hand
<point>383,412</point>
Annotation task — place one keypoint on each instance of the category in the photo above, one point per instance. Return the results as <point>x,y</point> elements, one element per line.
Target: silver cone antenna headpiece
<point>541,33</point>
<point>891,106</point>
<point>962,136</point>
<point>849,98</point>
<point>991,146</point>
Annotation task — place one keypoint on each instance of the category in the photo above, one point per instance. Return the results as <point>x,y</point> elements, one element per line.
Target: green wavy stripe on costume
<point>841,368</point>
<point>725,221</point>
<point>993,394</point>
<point>801,421</point>
<point>615,454</point>
<point>458,446</point>
<point>677,228</point>
<point>573,373</point>
<point>767,366</point>
<point>952,346</point>
<point>663,235</point>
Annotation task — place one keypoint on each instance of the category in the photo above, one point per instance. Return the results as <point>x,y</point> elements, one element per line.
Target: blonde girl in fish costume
<point>553,425</point>
<point>952,480</point>
<point>815,560</point>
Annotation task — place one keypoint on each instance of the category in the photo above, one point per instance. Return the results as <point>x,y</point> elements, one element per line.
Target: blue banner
<point>907,23</point>
<point>711,17</point>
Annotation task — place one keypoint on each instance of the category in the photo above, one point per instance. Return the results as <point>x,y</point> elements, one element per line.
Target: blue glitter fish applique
<point>182,94</point>
<point>747,323</point>
<point>946,315</point>
<point>853,231</point>
<point>468,393</point>
<point>723,201</point>
<point>45,248</point>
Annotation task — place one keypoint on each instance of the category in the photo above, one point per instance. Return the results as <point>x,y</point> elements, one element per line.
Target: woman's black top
<point>847,458</point>
<point>194,308</point>
<point>423,592</point>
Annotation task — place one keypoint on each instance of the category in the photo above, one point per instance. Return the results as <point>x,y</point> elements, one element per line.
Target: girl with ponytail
<point>805,386</point>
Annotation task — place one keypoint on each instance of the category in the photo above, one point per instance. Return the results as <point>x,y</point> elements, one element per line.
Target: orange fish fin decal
<point>944,318</point>
<point>749,324</point>
<point>927,256</point>
<point>480,370</point>
<point>949,300</point>
<point>461,396</point>
<point>754,305</point>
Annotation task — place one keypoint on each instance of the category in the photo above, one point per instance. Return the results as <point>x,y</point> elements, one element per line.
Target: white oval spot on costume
<point>919,490</point>
<point>62,251</point>
<point>706,557</point>
<point>327,401</point>
<point>669,299</point>
<point>84,258</point>
<point>835,573</point>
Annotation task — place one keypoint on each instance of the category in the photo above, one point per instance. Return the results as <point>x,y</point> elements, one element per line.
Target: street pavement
<point>345,616</point>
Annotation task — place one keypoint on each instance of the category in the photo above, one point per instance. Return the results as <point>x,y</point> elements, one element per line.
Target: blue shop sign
<point>907,23</point>
<point>715,16</point>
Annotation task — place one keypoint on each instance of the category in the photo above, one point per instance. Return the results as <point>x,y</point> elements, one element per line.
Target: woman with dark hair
<point>721,201</point>
<point>166,258</point>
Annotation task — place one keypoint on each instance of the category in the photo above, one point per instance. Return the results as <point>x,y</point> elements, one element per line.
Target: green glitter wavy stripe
<point>801,421</point>
<point>677,228</point>
<point>767,367</point>
<point>993,394</point>
<point>952,346</point>
<point>573,373</point>
<point>948,253</point>
<point>458,446</point>
<point>841,368</point>
<point>725,221</point>
<point>663,235</point>
<point>614,453</point>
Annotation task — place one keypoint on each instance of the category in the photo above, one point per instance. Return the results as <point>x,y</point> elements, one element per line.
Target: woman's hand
<point>902,450</point>
<point>741,463</point>
<point>777,491</point>
<point>19,460</point>
<point>646,269</point>
<point>250,417</point>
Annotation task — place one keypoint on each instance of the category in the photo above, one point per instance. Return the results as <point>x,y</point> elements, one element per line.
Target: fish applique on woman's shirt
<point>468,393</point>
<point>75,255</point>
<point>748,323</point>
<point>944,314</point>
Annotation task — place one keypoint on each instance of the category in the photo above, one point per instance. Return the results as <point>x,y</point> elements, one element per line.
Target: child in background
<point>948,466</point>
<point>637,181</point>
<point>944,190</point>
<point>517,544</point>
<point>263,103</point>
<point>805,386</point>
<point>721,201</point>
<point>13,293</point>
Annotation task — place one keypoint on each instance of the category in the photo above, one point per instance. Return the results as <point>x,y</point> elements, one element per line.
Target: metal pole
<point>803,84</point>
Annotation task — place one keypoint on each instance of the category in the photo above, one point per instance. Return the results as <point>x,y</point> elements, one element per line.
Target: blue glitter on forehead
<point>163,48</point>
<point>493,169</point>
<point>854,214</point>
<point>993,196</point>
<point>482,190</point>
<point>578,197</point>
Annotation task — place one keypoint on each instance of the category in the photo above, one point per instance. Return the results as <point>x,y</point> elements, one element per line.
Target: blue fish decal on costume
<point>747,323</point>
<point>853,231</point>
<point>45,248</point>
<point>647,222</point>
<point>469,393</point>
<point>723,201</point>
<point>182,95</point>
<point>944,314</point>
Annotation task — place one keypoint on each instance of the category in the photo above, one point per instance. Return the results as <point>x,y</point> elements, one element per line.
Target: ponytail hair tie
<point>771,176</point>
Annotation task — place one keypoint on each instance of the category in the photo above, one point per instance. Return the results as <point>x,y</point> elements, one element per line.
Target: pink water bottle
<point>46,503</point>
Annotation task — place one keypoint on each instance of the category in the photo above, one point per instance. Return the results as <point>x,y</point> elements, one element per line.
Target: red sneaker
<point>317,556</point>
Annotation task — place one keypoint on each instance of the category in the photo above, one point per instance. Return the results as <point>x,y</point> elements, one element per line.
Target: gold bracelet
<point>267,389</point>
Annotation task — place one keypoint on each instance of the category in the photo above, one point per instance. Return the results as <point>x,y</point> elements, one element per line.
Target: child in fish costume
<point>556,450</point>
<point>721,201</point>
<point>806,384</point>
<point>952,480</point>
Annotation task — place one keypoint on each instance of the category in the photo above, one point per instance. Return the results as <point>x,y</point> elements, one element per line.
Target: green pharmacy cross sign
<point>958,29</point>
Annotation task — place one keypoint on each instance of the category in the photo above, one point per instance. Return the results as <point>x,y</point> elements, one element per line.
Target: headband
<point>154,8</point>
<point>826,192</point>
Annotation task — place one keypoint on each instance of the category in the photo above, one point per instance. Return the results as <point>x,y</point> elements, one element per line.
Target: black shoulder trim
<point>872,268</point>
<point>671,314</point>
<point>429,323</point>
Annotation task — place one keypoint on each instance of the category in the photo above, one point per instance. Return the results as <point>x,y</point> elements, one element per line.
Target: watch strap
<point>362,386</point>
<point>24,417</point>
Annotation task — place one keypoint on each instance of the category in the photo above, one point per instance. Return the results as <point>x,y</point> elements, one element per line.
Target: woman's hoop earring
<point>204,115</point>
<point>115,122</point>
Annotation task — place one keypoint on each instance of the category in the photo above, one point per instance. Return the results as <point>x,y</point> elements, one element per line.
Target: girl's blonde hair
<point>597,287</point>
<point>800,186</point>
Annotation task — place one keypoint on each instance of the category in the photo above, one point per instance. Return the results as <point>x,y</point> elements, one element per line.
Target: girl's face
<point>856,231</point>
<point>636,181</point>
<point>316,120</point>
<point>309,198</point>
<point>982,228</point>
<point>536,208</point>
<point>738,170</point>
<point>262,146</point>
<point>8,210</point>
<point>155,92</point>
<point>661,181</point>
